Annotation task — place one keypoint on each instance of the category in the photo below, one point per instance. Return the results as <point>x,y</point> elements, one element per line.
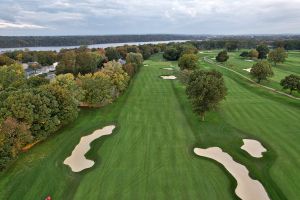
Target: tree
<point>188,61</point>
<point>263,51</point>
<point>112,54</point>
<point>277,56</point>
<point>171,53</point>
<point>222,56</point>
<point>46,58</point>
<point>86,62</point>
<point>67,110</point>
<point>97,90</point>
<point>5,60</point>
<point>67,61</point>
<point>136,59</point>
<point>291,82</point>
<point>68,82</point>
<point>118,77</point>
<point>253,54</point>
<point>205,89</point>
<point>231,46</point>
<point>261,71</point>
<point>244,54</point>
<point>184,75</point>
<point>146,51</point>
<point>187,49</point>
<point>122,50</point>
<point>12,76</point>
<point>36,107</point>
<point>129,69</point>
<point>13,136</point>
<point>36,81</point>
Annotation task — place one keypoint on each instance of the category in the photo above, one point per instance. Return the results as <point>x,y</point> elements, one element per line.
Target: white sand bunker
<point>253,147</point>
<point>247,188</point>
<point>168,68</point>
<point>168,77</point>
<point>77,161</point>
<point>146,65</point>
<point>248,69</point>
<point>249,60</point>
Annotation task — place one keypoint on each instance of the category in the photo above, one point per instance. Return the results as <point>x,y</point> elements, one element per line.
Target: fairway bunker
<point>249,60</point>
<point>248,69</point>
<point>77,160</point>
<point>168,68</point>
<point>253,147</point>
<point>168,77</point>
<point>247,188</point>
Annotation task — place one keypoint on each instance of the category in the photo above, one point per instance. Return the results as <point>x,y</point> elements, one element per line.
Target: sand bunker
<point>248,69</point>
<point>168,77</point>
<point>249,60</point>
<point>253,147</point>
<point>168,68</point>
<point>247,188</point>
<point>77,161</point>
<point>146,65</point>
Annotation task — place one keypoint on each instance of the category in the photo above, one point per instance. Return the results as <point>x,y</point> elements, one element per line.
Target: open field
<point>150,153</point>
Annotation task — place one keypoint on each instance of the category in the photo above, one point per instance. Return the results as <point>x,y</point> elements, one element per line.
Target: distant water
<point>58,48</point>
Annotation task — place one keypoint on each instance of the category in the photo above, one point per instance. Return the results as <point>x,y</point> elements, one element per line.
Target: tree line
<point>37,41</point>
<point>34,108</point>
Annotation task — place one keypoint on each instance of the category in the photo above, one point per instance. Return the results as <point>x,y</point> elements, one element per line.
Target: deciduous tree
<point>263,51</point>
<point>291,82</point>
<point>205,89</point>
<point>261,71</point>
<point>188,61</point>
<point>277,56</point>
<point>222,56</point>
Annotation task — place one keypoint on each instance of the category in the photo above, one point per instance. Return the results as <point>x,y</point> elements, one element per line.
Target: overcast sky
<point>99,17</point>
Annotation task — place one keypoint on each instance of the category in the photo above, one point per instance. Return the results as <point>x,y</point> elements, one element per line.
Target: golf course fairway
<point>150,153</point>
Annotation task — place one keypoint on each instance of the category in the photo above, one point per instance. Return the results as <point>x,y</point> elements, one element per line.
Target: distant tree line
<point>37,41</point>
<point>289,42</point>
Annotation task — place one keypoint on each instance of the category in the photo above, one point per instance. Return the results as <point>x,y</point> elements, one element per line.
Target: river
<point>58,48</point>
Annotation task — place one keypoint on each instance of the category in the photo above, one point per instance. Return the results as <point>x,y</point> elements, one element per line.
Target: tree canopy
<point>263,51</point>
<point>222,56</point>
<point>188,61</point>
<point>277,55</point>
<point>261,71</point>
<point>291,82</point>
<point>205,89</point>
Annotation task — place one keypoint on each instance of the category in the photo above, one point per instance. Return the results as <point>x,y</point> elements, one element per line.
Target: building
<point>48,71</point>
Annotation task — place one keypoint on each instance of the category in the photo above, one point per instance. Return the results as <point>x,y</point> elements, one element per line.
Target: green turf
<point>281,70</point>
<point>149,155</point>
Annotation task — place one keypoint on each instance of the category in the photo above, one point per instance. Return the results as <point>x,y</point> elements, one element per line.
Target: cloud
<point>156,16</point>
<point>4,25</point>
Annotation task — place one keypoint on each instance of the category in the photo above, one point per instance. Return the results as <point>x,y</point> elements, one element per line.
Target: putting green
<point>150,155</point>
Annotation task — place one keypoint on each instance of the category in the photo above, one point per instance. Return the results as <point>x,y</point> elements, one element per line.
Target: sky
<point>105,17</point>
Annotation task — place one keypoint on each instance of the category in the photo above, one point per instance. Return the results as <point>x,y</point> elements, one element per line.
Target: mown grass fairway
<point>150,154</point>
<point>281,70</point>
